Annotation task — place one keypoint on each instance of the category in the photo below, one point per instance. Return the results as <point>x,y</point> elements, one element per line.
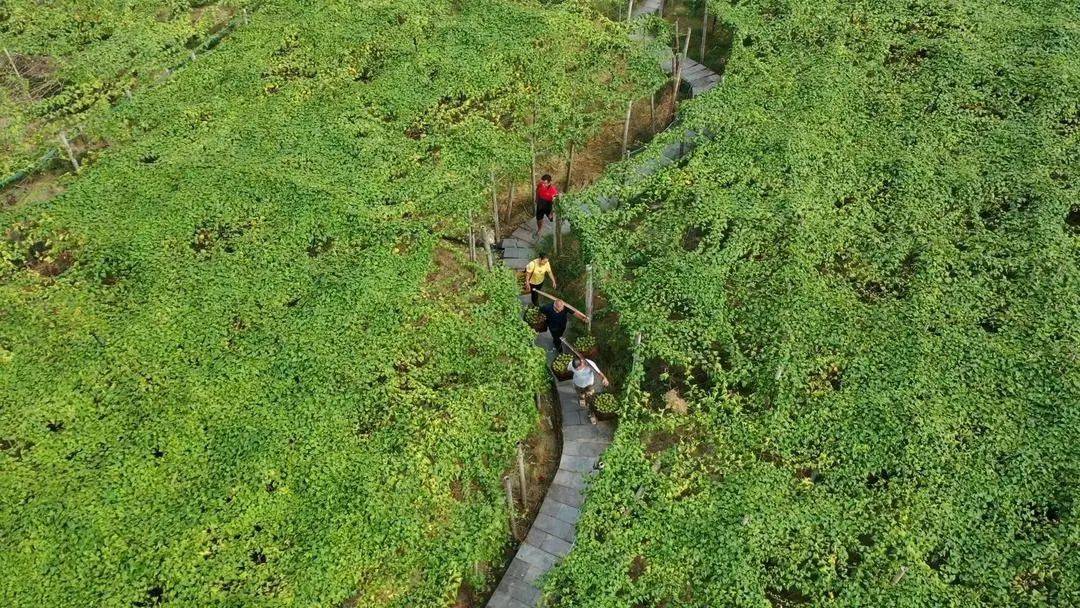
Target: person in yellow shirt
<point>536,273</point>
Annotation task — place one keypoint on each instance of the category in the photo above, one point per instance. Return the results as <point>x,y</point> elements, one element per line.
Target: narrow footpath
<point>552,534</point>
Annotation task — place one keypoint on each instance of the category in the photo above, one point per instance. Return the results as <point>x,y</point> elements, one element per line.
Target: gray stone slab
<point>583,448</point>
<point>516,263</point>
<point>570,479</point>
<point>607,202</point>
<point>502,599</point>
<point>534,573</point>
<point>557,546</point>
<point>565,495</point>
<point>536,537</point>
<point>526,593</point>
<point>580,464</point>
<point>554,526</point>
<point>562,513</point>
<point>574,417</point>
<point>587,432</point>
<point>513,242</point>
<point>516,570</point>
<point>543,340</point>
<point>535,556</point>
<point>525,235</point>
<point>519,252</point>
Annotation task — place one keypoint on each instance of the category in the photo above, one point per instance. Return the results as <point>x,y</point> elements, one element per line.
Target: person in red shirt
<point>545,201</point>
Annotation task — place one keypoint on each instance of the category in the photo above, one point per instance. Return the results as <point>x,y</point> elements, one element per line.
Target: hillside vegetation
<point>241,361</point>
<point>859,298</point>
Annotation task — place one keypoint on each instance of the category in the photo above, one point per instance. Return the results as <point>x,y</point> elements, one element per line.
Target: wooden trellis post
<point>704,30</point>
<point>495,204</point>
<point>652,112</point>
<point>472,238</point>
<point>487,246</point>
<point>508,485</point>
<point>522,477</point>
<point>675,49</point>
<point>680,59</point>
<point>70,153</point>
<point>510,202</point>
<point>626,128</point>
<point>558,230</point>
<point>569,168</point>
<point>589,295</point>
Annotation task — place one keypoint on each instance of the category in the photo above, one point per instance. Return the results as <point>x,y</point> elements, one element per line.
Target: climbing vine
<point>859,296</point>
<point>242,358</point>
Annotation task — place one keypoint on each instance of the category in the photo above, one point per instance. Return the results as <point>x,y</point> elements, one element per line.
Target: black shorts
<point>543,209</point>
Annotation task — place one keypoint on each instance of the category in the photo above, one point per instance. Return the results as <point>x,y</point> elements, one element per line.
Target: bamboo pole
<point>553,298</point>
<point>12,62</point>
<point>23,81</point>
<point>578,354</point>
<point>630,11</point>
<point>70,153</point>
<point>521,476</point>
<point>704,30</point>
<point>626,127</point>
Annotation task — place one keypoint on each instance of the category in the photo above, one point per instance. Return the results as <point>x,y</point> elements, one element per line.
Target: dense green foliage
<point>75,58</point>
<point>863,287</point>
<point>240,365</point>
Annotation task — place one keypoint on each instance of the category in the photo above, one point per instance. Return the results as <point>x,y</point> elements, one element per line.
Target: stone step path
<point>552,533</point>
<point>701,78</point>
<point>647,7</point>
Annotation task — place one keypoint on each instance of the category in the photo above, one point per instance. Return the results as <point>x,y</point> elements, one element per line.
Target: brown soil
<point>37,188</point>
<point>35,76</point>
<point>590,160</point>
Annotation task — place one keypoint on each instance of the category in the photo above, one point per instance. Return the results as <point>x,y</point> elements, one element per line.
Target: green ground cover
<point>861,307</point>
<point>241,362</point>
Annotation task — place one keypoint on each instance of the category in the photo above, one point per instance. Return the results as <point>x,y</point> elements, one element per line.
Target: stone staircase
<point>552,534</point>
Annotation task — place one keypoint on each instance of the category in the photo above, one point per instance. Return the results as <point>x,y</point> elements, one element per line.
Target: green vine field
<point>859,295</point>
<point>243,361</point>
<point>66,63</point>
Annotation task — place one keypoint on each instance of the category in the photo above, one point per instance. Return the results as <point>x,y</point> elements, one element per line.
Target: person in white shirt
<point>585,372</point>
